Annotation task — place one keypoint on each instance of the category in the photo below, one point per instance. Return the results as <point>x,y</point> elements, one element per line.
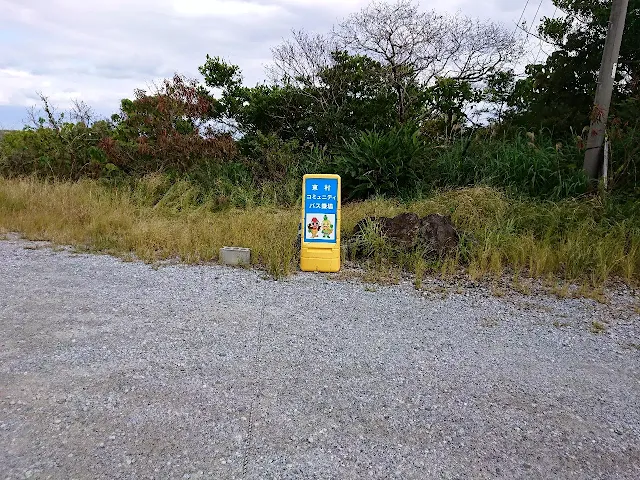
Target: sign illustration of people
<point>320,209</point>
<point>314,227</point>
<point>327,228</point>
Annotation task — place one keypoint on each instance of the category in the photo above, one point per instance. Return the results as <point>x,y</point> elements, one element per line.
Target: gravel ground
<point>114,370</point>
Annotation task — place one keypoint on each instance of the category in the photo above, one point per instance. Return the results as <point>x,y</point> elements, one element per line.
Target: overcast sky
<point>99,51</point>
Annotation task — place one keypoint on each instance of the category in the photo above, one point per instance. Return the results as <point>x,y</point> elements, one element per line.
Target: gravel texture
<point>111,369</point>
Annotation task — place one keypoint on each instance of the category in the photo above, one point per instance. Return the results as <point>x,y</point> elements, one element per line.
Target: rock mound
<point>434,233</point>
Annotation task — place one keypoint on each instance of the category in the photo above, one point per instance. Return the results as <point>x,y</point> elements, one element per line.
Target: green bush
<point>270,158</point>
<point>69,151</point>
<point>405,163</point>
<point>523,164</point>
<point>624,169</point>
<point>388,164</point>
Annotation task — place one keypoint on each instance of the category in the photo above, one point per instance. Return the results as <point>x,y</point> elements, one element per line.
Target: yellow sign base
<point>320,259</point>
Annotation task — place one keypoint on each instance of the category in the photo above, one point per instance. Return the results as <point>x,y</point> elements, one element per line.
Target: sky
<point>100,51</point>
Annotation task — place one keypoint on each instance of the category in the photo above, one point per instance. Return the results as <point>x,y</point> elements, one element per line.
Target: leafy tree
<point>352,96</point>
<point>447,101</point>
<point>405,51</point>
<point>168,129</point>
<point>558,94</point>
<point>498,92</point>
<point>347,96</point>
<point>421,47</point>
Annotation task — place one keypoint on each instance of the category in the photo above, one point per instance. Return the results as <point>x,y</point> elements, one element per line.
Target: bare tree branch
<point>414,47</point>
<point>53,117</point>
<point>81,112</point>
<point>301,58</point>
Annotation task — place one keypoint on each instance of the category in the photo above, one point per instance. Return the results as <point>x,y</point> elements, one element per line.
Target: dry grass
<point>153,219</point>
<point>120,222</point>
<point>572,241</point>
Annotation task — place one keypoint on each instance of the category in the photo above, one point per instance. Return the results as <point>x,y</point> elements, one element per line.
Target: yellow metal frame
<point>321,257</point>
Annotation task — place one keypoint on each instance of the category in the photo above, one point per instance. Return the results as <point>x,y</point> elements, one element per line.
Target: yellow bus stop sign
<point>320,250</point>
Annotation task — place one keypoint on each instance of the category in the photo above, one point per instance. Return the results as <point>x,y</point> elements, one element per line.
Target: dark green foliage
<point>447,100</point>
<point>389,163</point>
<point>559,93</point>
<point>402,162</point>
<point>625,156</point>
<point>351,95</point>
<point>269,158</point>
<point>64,151</point>
<point>523,164</point>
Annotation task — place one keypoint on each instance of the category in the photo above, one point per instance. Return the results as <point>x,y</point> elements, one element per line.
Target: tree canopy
<point>558,94</point>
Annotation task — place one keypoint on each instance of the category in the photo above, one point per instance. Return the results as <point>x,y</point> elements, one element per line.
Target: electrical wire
<point>520,19</point>
<point>535,62</point>
<point>534,18</point>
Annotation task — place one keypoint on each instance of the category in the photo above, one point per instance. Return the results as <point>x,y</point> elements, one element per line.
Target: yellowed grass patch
<point>154,219</point>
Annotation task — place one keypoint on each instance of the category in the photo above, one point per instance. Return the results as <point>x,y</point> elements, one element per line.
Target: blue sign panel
<point>320,209</point>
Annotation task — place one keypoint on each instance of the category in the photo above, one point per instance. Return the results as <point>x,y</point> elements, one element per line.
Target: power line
<point>535,62</point>
<point>534,18</point>
<point>524,10</point>
<point>530,30</point>
<point>520,19</point>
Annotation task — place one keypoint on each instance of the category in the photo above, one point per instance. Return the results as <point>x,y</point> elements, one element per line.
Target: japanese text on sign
<point>321,195</point>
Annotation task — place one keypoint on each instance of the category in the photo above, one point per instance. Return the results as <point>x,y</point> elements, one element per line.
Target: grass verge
<point>584,241</point>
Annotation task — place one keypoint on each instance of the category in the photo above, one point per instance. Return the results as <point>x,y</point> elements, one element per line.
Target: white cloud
<point>13,81</point>
<point>224,8</point>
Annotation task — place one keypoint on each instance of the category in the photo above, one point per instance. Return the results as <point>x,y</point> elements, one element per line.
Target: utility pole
<point>606,77</point>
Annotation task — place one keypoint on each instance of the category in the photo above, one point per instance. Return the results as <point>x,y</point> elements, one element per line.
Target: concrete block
<point>235,256</point>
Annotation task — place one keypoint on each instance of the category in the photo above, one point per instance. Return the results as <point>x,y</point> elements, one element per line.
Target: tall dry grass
<point>149,221</point>
<point>573,240</point>
<point>154,219</point>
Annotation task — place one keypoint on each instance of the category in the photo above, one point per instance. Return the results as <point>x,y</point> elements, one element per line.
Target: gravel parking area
<point>112,369</point>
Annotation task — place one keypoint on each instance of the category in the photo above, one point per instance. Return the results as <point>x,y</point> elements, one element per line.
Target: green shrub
<point>270,158</point>
<point>387,164</point>
<point>521,164</point>
<point>68,151</point>
<point>624,168</point>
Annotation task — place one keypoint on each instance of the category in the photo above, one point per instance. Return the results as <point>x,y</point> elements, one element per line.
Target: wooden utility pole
<point>606,78</point>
